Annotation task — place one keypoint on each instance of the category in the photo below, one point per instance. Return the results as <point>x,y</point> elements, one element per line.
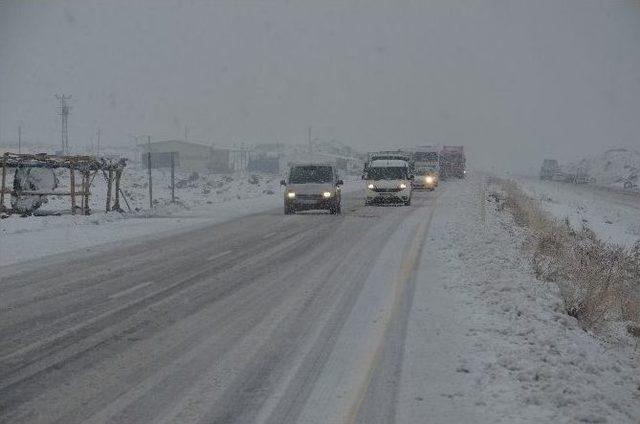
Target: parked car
<point>388,181</point>
<point>312,186</point>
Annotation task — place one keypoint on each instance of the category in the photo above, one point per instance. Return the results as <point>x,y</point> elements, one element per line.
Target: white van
<point>312,186</point>
<point>388,181</point>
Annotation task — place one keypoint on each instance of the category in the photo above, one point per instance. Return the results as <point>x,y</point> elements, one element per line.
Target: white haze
<point>514,81</point>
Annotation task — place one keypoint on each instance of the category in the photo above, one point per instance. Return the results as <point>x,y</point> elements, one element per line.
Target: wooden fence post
<point>116,205</point>
<point>109,182</point>
<point>72,178</point>
<point>85,193</point>
<point>4,177</point>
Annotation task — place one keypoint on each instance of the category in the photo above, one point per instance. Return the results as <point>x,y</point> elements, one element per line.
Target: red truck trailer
<point>452,162</point>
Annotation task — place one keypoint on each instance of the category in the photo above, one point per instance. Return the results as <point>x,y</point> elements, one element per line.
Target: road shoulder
<point>486,342</point>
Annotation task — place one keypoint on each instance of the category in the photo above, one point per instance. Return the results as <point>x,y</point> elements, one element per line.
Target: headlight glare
<point>403,186</point>
<point>326,194</point>
<point>291,195</point>
<point>371,186</point>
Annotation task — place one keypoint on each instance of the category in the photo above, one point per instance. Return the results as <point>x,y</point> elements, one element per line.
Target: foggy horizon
<point>511,81</point>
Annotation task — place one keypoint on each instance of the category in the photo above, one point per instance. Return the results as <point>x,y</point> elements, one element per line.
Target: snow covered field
<point>612,168</point>
<point>613,214</point>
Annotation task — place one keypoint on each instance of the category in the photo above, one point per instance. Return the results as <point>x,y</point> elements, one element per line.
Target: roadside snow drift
<point>489,343</point>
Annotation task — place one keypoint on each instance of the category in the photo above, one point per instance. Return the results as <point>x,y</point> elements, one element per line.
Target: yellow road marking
<point>400,283</point>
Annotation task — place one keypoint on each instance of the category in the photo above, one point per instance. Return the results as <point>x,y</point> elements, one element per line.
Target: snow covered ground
<point>457,330</point>
<point>613,214</point>
<point>487,342</point>
<point>612,168</point>
<point>204,200</point>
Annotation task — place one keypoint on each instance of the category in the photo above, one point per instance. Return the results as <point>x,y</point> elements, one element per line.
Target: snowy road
<point>265,318</point>
<point>428,313</point>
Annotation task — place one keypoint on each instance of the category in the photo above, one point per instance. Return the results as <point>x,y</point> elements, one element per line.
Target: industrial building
<point>191,156</point>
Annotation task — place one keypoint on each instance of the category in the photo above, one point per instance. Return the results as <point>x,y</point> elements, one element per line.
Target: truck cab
<point>388,181</point>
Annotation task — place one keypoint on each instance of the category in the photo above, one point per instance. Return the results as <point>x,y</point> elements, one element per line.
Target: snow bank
<point>487,342</point>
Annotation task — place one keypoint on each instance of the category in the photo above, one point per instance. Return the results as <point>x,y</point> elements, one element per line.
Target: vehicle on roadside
<point>388,181</point>
<point>581,176</point>
<point>312,186</point>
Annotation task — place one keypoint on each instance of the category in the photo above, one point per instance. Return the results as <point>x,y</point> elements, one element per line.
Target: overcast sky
<point>514,81</point>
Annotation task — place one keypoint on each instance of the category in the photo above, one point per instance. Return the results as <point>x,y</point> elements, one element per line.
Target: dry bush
<point>599,281</point>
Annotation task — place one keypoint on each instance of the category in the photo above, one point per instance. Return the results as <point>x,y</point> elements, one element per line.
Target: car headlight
<point>403,186</point>
<point>326,194</point>
<point>291,195</point>
<point>371,186</point>
<point>429,179</point>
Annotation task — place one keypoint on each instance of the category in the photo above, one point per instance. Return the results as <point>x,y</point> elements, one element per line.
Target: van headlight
<point>371,186</point>
<point>403,186</point>
<point>291,195</point>
<point>326,194</point>
<point>429,179</point>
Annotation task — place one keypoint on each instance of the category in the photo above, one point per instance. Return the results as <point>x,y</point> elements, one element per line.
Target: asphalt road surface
<point>267,318</point>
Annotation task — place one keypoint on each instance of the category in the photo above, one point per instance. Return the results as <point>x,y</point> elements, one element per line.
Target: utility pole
<point>64,113</point>
<point>173,178</point>
<point>19,139</point>
<point>98,141</point>
<point>149,169</point>
<point>309,138</point>
<point>186,134</point>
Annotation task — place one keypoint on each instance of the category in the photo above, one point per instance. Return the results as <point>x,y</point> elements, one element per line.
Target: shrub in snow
<point>599,281</point>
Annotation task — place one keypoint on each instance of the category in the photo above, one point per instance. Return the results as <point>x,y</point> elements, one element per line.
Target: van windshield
<point>387,173</point>
<point>310,174</point>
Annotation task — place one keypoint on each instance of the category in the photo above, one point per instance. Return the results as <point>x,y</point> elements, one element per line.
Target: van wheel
<point>408,202</point>
<point>288,210</point>
<point>338,208</point>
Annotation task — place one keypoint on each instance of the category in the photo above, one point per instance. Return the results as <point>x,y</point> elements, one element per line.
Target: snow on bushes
<point>599,281</point>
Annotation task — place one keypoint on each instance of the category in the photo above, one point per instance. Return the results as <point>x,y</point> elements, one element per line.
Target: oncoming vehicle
<point>426,167</point>
<point>427,179</point>
<point>388,181</point>
<point>312,186</point>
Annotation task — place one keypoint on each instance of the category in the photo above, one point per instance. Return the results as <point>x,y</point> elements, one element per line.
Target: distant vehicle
<point>550,170</point>
<point>388,181</point>
<point>312,186</point>
<point>452,162</point>
<point>426,167</point>
<point>581,176</point>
